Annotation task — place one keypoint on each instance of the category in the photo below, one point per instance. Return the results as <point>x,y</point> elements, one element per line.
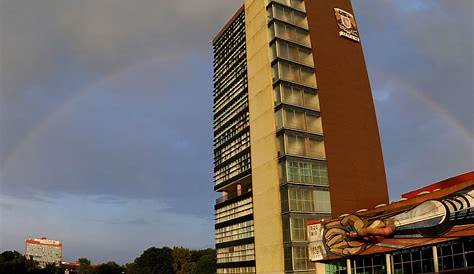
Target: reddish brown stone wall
<point>353,150</point>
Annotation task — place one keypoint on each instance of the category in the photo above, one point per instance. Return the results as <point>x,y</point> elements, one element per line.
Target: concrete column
<point>320,268</point>
<point>435,259</point>
<point>388,263</point>
<point>349,268</point>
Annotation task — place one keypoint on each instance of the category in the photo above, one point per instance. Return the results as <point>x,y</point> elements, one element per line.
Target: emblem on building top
<point>347,25</point>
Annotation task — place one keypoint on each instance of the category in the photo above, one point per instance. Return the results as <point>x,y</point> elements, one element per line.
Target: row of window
<point>294,144</point>
<point>234,210</point>
<point>230,133</point>
<point>237,270</point>
<point>229,150</point>
<point>235,232</point>
<point>298,120</point>
<point>287,14</point>
<point>231,112</point>
<point>295,95</point>
<point>237,253</point>
<point>295,4</point>
<point>458,254</point>
<point>305,200</point>
<point>234,168</point>
<point>294,73</point>
<point>306,172</point>
<point>292,52</point>
<point>235,94</point>
<point>296,258</point>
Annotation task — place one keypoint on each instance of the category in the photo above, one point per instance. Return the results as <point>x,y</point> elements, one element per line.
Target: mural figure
<point>352,234</point>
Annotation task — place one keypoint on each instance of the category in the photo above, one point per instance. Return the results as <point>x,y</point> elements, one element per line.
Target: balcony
<point>233,197</point>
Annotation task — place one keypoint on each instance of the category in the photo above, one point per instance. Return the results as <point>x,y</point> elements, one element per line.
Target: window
<point>237,270</point>
<point>236,253</point>
<point>294,73</point>
<point>298,120</point>
<point>296,144</point>
<point>415,260</point>
<point>315,148</point>
<point>288,15</point>
<point>308,200</point>
<point>300,258</point>
<point>322,201</point>
<point>235,210</point>
<point>296,4</point>
<point>305,172</point>
<point>369,264</point>
<point>294,53</point>
<point>454,255</point>
<point>297,96</point>
<point>289,33</point>
<point>298,228</point>
<point>235,232</point>
<point>313,123</point>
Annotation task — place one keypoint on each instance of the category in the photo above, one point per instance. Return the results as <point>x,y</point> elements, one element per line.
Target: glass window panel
<point>322,201</point>
<point>294,119</point>
<point>277,91</point>
<point>458,261</point>
<point>295,145</point>
<point>279,119</point>
<point>315,148</point>
<point>314,123</point>
<point>311,100</point>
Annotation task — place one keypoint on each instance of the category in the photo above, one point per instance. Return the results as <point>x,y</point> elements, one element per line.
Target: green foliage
<point>155,261</point>
<point>181,260</point>
<point>165,260</point>
<point>109,268</point>
<point>12,262</point>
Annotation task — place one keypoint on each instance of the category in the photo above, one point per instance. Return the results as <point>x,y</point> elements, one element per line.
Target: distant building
<point>44,251</point>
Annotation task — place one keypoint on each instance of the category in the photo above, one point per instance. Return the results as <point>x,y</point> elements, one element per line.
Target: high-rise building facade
<point>295,131</point>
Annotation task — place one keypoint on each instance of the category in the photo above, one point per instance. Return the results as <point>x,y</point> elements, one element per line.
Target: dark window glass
<point>397,269</point>
<point>427,253</point>
<point>407,268</point>
<point>379,269</point>
<point>427,266</point>
<point>397,258</point>
<point>458,261</point>
<point>469,245</point>
<point>445,250</point>
<point>470,259</point>
<point>417,267</point>
<point>457,247</point>
<point>446,263</point>
<point>367,261</point>
<point>415,255</point>
<point>406,256</point>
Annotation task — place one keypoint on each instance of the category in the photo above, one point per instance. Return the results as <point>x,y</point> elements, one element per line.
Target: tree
<point>85,266</point>
<point>181,260</point>
<point>206,264</point>
<point>155,261</point>
<point>109,268</point>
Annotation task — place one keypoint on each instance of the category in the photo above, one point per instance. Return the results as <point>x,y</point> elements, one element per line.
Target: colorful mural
<point>356,233</point>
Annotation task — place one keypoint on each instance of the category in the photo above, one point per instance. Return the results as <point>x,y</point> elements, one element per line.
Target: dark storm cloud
<point>420,59</point>
<point>92,94</point>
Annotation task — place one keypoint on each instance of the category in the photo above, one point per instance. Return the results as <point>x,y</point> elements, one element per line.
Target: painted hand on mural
<point>352,234</point>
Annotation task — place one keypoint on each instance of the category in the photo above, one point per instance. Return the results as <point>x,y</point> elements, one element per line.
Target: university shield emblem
<point>346,21</point>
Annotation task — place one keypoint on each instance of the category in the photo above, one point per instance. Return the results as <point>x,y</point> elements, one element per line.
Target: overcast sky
<point>106,112</point>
